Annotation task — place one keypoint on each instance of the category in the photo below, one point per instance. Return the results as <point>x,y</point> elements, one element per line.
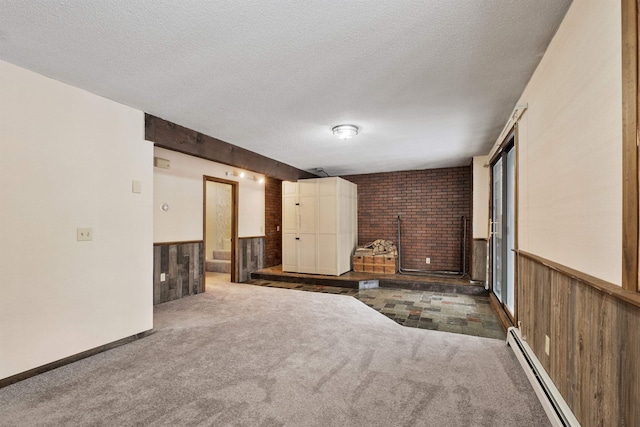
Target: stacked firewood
<point>378,247</point>
<point>379,256</point>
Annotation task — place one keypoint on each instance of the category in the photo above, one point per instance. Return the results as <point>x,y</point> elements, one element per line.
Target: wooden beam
<point>178,138</point>
<point>630,145</point>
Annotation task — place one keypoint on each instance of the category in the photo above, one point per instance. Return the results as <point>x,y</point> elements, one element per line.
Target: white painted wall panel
<point>181,188</point>
<point>67,160</point>
<point>480,198</point>
<point>570,142</point>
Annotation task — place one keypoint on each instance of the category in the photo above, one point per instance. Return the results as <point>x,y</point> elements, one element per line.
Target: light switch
<point>546,344</point>
<point>163,277</point>
<point>84,234</point>
<point>136,186</point>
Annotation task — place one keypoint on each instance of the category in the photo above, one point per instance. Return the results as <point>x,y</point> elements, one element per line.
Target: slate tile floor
<point>462,314</point>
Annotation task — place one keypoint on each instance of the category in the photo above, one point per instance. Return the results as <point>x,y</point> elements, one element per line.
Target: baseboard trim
<point>73,358</point>
<point>502,316</point>
<point>552,402</point>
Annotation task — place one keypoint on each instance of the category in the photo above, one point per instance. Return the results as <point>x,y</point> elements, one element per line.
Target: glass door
<point>503,200</point>
<point>509,230</point>
<point>497,247</point>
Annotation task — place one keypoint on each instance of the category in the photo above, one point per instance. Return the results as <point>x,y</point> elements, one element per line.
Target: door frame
<point>510,142</point>
<point>234,224</point>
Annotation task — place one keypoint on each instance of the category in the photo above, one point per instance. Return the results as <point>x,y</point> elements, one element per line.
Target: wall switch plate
<point>428,261</point>
<point>546,344</point>
<point>163,277</point>
<point>161,163</point>
<point>136,187</point>
<point>277,228</point>
<point>84,234</point>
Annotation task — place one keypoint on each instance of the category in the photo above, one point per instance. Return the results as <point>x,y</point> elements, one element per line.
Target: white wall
<point>480,198</point>
<point>181,187</point>
<point>67,160</point>
<point>570,145</point>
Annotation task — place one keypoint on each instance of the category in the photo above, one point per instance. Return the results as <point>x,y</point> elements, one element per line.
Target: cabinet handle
<point>297,238</point>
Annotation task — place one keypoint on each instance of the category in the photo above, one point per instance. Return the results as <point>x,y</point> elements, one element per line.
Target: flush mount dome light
<point>345,131</point>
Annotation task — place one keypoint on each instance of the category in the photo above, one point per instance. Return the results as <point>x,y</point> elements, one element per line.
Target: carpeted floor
<point>241,355</point>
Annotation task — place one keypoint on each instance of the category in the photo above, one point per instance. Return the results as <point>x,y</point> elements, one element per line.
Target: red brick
<point>272,221</point>
<point>431,204</point>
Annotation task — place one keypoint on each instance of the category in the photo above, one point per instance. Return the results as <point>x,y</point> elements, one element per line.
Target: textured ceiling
<point>430,83</point>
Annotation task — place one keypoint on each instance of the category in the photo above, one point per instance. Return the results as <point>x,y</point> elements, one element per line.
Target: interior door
<point>220,225</point>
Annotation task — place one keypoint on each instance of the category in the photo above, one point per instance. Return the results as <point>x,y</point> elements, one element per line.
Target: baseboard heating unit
<point>554,405</point>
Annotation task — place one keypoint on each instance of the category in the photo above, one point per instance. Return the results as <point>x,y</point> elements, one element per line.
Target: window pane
<point>496,228</point>
<point>510,182</point>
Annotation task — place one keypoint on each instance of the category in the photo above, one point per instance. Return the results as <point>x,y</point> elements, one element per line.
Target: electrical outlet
<point>84,234</point>
<point>546,344</point>
<point>163,277</point>
<point>428,260</point>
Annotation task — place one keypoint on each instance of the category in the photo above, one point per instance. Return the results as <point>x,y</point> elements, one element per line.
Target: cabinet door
<point>328,227</point>
<point>308,226</point>
<point>289,252</point>
<point>290,220</point>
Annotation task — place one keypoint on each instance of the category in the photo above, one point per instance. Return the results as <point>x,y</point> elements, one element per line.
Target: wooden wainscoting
<point>182,263</point>
<point>479,260</point>
<point>594,331</point>
<point>250,256</point>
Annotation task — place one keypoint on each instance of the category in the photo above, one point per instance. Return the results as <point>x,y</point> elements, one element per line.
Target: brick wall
<point>272,220</point>
<point>431,204</point>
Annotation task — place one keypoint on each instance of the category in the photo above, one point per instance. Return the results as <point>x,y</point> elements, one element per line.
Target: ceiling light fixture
<point>345,131</point>
<point>243,174</point>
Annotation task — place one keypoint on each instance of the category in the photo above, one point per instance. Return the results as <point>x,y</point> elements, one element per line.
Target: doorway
<point>503,201</point>
<point>220,230</point>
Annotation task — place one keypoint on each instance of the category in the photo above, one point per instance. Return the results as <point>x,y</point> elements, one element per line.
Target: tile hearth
<point>447,312</point>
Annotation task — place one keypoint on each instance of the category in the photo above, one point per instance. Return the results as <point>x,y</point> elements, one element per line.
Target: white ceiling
<point>430,83</point>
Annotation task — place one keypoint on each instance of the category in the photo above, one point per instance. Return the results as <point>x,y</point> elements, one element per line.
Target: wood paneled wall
<point>251,256</point>
<point>182,262</point>
<point>479,260</point>
<point>594,331</point>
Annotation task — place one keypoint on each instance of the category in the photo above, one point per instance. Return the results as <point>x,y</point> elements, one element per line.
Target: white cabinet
<point>319,225</point>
